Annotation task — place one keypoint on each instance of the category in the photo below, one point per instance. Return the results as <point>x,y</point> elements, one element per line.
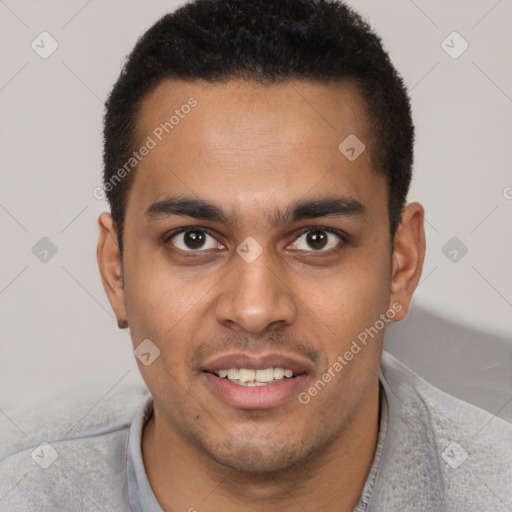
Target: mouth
<point>250,377</point>
<point>254,382</point>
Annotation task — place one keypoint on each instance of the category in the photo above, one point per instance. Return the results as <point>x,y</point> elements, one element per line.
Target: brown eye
<point>191,240</point>
<point>194,239</point>
<point>317,239</point>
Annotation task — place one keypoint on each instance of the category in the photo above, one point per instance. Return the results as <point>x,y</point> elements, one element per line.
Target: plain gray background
<point>59,335</point>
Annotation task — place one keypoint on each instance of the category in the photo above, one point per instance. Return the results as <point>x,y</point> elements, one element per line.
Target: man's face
<point>296,294</point>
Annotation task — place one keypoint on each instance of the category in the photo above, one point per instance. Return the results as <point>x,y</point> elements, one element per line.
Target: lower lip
<point>255,397</point>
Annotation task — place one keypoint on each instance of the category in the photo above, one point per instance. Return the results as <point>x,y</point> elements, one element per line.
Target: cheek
<point>351,304</point>
<point>354,296</point>
<point>168,308</point>
<point>156,293</point>
<point>158,310</point>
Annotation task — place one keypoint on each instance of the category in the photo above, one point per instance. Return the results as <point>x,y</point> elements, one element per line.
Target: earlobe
<point>408,257</point>
<point>110,266</point>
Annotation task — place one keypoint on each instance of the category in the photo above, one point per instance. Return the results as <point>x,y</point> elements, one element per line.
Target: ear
<point>408,257</point>
<point>111,270</point>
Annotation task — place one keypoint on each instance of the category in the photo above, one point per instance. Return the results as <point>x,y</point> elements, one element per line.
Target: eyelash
<point>169,236</point>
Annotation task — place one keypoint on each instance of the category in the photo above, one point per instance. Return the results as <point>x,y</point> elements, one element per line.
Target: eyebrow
<point>331,206</point>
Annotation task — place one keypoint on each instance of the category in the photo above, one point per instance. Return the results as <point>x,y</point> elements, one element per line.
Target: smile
<point>251,377</point>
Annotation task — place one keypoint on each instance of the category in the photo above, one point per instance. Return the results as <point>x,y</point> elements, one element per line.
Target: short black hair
<point>269,42</point>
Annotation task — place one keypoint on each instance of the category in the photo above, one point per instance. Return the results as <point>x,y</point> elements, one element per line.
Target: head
<point>240,121</point>
<point>214,42</point>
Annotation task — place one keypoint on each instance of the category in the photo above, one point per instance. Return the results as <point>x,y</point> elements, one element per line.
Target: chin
<point>263,457</point>
<point>252,460</point>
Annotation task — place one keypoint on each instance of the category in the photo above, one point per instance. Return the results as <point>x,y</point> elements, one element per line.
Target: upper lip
<point>255,362</point>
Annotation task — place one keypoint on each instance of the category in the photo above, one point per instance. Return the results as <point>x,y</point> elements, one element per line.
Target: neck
<point>185,478</point>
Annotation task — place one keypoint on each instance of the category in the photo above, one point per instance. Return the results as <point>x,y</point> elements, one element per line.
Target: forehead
<point>225,106</point>
<point>242,143</point>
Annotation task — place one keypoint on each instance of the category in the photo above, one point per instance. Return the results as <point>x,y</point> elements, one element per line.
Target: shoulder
<point>71,452</point>
<point>447,414</point>
<point>466,452</point>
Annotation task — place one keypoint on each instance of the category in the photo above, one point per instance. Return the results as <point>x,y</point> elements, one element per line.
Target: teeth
<point>250,377</point>
<point>250,384</point>
<point>266,375</point>
<point>278,373</point>
<point>246,375</point>
<point>233,374</point>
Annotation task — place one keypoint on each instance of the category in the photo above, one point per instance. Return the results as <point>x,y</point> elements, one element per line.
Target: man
<point>257,161</point>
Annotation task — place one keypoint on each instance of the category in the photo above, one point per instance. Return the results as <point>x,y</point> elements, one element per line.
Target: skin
<point>252,150</point>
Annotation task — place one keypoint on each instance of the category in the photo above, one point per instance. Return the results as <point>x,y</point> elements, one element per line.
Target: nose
<point>255,296</point>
